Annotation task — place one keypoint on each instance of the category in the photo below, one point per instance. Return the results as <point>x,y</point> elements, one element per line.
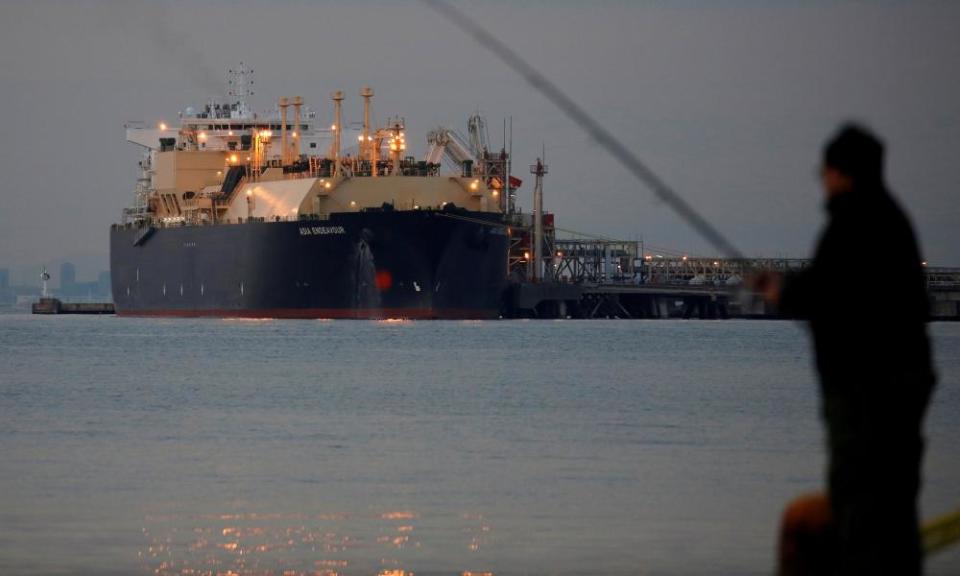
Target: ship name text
<point>321,230</point>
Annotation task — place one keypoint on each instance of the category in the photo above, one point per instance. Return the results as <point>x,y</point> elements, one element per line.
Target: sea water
<point>144,446</point>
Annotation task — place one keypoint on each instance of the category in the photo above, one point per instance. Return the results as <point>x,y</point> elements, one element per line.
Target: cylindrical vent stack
<point>367,140</point>
<point>284,148</point>
<point>337,128</point>
<point>295,144</point>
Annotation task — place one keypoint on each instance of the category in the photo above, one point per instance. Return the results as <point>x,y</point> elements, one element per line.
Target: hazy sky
<point>728,101</point>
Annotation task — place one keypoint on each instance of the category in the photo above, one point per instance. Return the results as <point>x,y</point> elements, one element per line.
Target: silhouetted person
<point>864,296</point>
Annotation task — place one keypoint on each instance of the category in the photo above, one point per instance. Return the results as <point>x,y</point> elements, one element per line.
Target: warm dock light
<point>496,193</point>
<point>233,158</point>
<point>327,185</point>
<point>526,255</point>
<point>360,138</point>
<point>474,185</point>
<point>333,126</point>
<point>266,134</point>
<point>684,258</point>
<point>250,192</point>
<point>229,132</point>
<point>294,135</point>
<point>203,135</point>
<point>559,254</point>
<point>353,203</point>
<point>162,126</point>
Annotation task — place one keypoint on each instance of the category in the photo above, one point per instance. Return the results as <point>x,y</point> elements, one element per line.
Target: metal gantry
<point>595,261</point>
<point>602,261</point>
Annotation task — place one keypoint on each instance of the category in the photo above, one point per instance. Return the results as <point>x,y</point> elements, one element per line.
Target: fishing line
<point>601,135</point>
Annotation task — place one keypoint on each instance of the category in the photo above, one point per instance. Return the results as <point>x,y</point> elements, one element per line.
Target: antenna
<point>575,112</point>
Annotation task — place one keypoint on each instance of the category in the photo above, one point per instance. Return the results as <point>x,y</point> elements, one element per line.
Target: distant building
<point>68,277</point>
<point>6,294</point>
<point>103,284</point>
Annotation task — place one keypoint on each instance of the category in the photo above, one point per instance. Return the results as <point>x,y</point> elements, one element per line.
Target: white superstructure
<point>224,163</point>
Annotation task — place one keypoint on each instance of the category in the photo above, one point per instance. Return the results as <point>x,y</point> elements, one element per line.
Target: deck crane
<point>472,156</point>
<point>446,144</point>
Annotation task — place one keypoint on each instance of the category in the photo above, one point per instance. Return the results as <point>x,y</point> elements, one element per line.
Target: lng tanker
<point>239,214</point>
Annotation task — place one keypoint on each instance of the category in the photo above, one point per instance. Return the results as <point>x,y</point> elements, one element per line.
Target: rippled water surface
<point>258,447</point>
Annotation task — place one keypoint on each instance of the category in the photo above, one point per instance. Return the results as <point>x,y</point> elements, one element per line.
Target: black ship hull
<point>390,264</point>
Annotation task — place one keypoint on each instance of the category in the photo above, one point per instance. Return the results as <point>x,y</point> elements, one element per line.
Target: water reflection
<point>257,544</point>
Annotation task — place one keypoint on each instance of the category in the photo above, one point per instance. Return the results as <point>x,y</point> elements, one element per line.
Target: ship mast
<point>539,170</point>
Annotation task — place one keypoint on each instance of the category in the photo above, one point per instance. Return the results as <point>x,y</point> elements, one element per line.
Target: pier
<point>56,306</point>
<point>595,278</point>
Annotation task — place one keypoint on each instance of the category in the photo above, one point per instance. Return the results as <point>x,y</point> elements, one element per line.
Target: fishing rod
<point>603,137</point>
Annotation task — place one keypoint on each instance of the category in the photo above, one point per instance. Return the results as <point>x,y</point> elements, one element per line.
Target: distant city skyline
<point>729,102</point>
<point>63,274</point>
